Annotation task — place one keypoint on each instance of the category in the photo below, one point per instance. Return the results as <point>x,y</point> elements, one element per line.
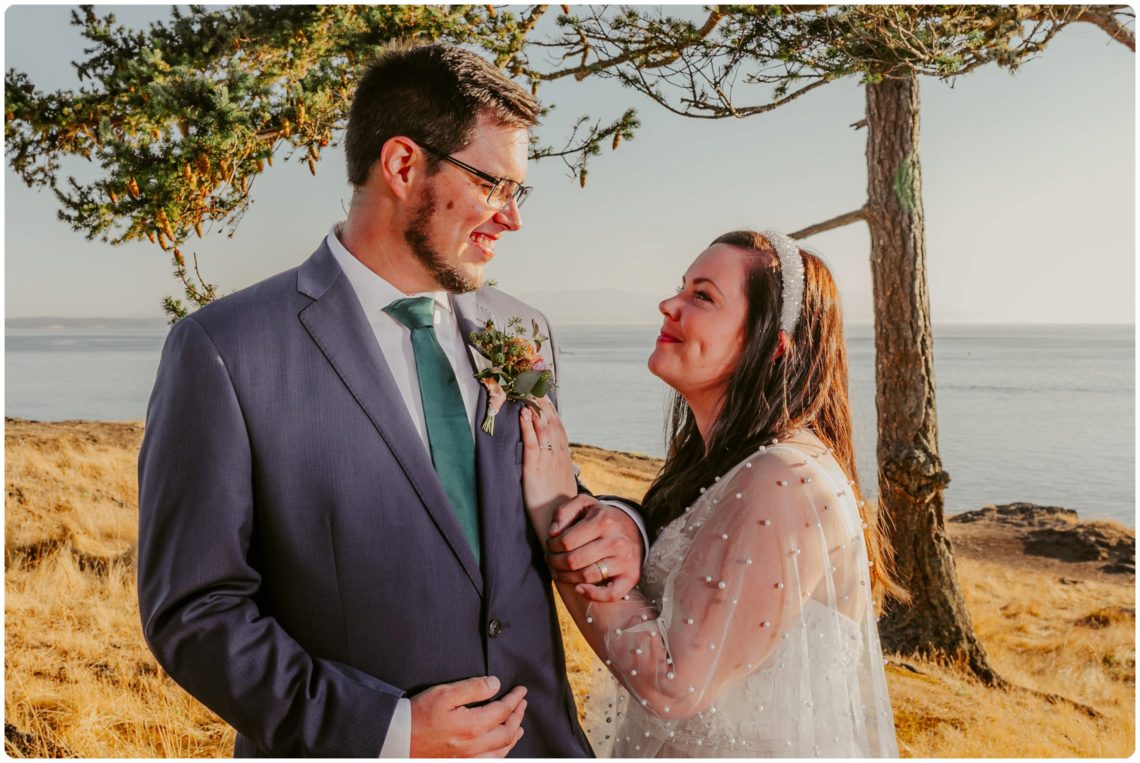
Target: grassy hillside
<point>79,680</point>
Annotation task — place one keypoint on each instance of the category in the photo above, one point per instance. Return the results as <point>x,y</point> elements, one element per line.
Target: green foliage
<point>179,120</point>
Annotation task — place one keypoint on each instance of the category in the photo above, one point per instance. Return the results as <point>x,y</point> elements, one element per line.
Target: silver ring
<point>547,446</point>
<point>602,569</point>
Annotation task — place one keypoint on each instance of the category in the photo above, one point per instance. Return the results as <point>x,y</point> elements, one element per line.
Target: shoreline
<point>633,467</point>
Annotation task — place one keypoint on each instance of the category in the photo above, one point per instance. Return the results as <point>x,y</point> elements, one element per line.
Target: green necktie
<point>448,427</point>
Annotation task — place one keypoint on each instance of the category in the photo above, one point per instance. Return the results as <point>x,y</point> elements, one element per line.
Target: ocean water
<point>1044,414</point>
<point>1025,413</point>
<point>80,369</point>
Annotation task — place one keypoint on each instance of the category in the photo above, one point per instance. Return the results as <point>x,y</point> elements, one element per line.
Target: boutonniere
<point>516,371</point>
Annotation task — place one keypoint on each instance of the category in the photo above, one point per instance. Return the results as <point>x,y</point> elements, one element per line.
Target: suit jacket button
<point>494,628</point>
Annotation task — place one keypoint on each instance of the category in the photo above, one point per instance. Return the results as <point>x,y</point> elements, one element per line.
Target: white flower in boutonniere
<point>516,372</point>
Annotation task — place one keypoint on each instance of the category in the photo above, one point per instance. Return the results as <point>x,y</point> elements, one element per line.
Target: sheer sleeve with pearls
<point>752,632</point>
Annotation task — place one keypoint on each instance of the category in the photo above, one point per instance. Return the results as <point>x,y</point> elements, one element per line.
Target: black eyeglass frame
<point>519,196</point>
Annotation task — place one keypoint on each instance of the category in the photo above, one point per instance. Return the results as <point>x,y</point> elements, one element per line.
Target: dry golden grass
<point>1076,641</point>
<point>80,681</point>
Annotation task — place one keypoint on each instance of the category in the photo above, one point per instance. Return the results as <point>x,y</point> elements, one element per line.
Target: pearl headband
<point>792,272</point>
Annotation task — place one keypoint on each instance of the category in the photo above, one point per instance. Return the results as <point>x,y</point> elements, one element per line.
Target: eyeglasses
<point>502,189</point>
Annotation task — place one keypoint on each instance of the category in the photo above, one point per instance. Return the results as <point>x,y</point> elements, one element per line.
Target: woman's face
<point>703,332</point>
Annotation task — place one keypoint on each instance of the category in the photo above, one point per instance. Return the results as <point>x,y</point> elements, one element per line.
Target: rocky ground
<point>1048,538</point>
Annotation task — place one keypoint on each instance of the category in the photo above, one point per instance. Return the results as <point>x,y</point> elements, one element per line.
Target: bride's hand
<point>548,474</point>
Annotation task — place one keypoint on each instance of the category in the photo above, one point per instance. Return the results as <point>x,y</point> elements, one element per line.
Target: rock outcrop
<point>1057,533</point>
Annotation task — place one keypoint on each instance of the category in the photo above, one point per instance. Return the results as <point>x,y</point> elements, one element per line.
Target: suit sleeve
<point>198,588</point>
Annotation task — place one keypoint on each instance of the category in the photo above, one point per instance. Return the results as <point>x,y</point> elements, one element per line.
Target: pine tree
<point>178,121</point>
<point>704,69</point>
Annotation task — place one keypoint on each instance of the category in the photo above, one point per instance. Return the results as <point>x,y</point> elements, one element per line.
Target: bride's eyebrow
<point>709,281</point>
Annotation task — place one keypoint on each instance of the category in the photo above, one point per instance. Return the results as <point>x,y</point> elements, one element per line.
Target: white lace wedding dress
<point>752,632</point>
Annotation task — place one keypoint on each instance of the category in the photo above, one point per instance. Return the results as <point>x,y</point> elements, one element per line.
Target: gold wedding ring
<point>602,569</point>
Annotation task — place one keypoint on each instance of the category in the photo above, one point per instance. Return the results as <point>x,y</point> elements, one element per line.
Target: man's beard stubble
<point>449,277</point>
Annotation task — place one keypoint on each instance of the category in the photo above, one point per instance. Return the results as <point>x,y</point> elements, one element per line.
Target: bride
<point>752,631</point>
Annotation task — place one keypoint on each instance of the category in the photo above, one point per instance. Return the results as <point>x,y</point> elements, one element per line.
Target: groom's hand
<point>595,546</point>
<point>444,727</point>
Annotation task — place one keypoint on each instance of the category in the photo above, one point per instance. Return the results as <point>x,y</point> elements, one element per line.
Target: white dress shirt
<point>394,338</point>
<point>375,293</point>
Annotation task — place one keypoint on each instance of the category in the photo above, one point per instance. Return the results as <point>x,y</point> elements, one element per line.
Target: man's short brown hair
<point>432,94</point>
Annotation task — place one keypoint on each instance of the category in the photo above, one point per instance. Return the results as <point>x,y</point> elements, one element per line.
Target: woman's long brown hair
<point>805,388</point>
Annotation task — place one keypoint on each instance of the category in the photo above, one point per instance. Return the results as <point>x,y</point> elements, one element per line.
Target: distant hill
<point>58,322</point>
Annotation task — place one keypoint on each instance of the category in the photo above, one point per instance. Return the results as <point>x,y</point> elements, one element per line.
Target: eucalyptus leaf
<point>526,382</point>
<point>541,387</point>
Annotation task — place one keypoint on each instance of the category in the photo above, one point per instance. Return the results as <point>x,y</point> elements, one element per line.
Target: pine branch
<point>1105,17</point>
<point>747,111</point>
<point>832,224</point>
<point>642,55</point>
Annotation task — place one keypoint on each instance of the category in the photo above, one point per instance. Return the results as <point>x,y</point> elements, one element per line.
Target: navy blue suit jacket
<point>300,566</point>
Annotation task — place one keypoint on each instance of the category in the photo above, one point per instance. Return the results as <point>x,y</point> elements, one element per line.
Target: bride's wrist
<point>542,516</point>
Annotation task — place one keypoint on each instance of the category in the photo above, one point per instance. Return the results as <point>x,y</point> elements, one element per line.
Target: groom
<point>332,555</point>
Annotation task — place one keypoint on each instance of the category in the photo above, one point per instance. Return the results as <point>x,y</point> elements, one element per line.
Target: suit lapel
<point>340,329</point>
<point>494,454</point>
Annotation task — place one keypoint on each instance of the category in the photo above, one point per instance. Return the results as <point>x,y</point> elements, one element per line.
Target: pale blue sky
<point>1029,190</point>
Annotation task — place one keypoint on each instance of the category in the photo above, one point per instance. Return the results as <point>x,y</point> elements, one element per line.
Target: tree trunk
<point>936,622</point>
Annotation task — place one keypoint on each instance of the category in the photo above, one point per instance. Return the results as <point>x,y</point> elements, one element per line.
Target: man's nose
<point>509,217</point>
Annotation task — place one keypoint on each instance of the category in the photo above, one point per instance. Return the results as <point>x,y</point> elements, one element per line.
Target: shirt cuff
<point>637,520</point>
<point>398,743</point>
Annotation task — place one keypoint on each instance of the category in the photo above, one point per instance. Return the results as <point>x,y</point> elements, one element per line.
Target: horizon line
<point>958,322</point>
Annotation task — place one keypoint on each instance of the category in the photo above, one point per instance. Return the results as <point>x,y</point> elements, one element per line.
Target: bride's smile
<point>703,331</point>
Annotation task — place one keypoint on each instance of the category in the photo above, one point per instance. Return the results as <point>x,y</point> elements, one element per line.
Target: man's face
<point>453,230</point>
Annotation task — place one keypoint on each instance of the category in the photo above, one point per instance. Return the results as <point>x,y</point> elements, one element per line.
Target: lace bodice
<point>752,632</point>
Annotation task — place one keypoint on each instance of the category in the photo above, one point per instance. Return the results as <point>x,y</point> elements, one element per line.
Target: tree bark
<point>936,623</point>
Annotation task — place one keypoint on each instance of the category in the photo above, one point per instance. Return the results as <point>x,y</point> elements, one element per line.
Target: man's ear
<point>398,165</point>
<point>783,342</point>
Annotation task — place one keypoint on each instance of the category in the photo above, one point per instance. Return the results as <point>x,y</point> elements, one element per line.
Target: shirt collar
<point>372,289</point>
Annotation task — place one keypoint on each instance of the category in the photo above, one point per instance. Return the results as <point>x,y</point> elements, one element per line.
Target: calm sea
<point>1025,413</point>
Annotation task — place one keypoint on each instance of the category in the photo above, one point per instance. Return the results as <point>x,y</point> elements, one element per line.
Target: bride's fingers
<point>529,436</point>
<point>541,421</point>
<point>555,430</point>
